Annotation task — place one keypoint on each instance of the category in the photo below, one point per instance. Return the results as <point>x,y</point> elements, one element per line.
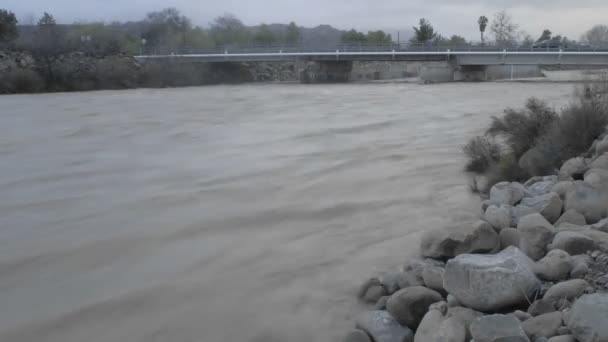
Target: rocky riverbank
<point>533,268</point>
<point>21,72</point>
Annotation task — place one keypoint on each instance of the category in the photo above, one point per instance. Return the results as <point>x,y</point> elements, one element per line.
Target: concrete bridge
<point>333,64</point>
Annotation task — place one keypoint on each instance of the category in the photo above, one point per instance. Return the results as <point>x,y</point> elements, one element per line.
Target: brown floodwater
<point>225,213</point>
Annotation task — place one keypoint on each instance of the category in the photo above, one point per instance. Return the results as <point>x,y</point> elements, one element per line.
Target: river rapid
<point>225,213</point>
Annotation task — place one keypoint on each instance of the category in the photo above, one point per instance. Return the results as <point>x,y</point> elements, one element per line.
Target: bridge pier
<point>450,72</point>
<point>326,72</point>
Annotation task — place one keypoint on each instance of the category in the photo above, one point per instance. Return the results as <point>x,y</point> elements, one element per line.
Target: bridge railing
<point>361,47</point>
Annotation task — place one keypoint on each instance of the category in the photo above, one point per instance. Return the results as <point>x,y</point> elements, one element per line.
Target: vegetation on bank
<point>536,140</point>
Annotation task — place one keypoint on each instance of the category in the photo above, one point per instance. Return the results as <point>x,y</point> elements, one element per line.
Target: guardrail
<point>363,47</point>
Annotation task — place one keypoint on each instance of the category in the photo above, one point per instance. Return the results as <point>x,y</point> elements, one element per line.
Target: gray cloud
<point>567,17</point>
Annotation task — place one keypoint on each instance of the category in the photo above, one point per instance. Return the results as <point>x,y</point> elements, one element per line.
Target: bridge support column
<point>471,73</point>
<point>326,72</point>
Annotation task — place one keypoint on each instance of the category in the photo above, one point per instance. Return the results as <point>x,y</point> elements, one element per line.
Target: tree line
<point>170,30</point>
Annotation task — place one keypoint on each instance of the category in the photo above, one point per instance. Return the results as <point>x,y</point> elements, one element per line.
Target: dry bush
<point>21,81</point>
<point>481,153</point>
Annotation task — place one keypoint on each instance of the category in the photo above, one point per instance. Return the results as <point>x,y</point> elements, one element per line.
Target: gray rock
<point>357,335</point>
<point>409,305</point>
<point>568,290</point>
<point>549,205</point>
<point>555,266</point>
<point>542,188</point>
<point>390,281</point>
<point>536,234</point>
<point>544,325</point>
<point>563,330</point>
<point>382,327</point>
<point>409,279</point>
<point>491,282</point>
<point>520,211</point>
<point>381,304</point>
<point>602,146</point>
<point>452,301</point>
<point>588,201</point>
<point>579,271</point>
<point>522,316</point>
<point>563,338</point>
<point>437,327</point>
<point>569,227</point>
<point>541,307</point>
<point>465,316</point>
<point>412,272</point>
<point>498,328</point>
<point>371,290</point>
<point>532,181</point>
<point>573,217</point>
<point>597,178</point>
<point>573,168</point>
<point>479,237</point>
<point>599,238</point>
<point>541,339</point>
<point>433,277</point>
<point>498,217</point>
<point>602,226</point>
<point>601,162</point>
<point>573,243</point>
<point>562,188</point>
<point>588,319</point>
<point>509,237</point>
<point>508,193</point>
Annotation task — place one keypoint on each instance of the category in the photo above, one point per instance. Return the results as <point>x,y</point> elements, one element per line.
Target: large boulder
<point>433,277</point>
<point>597,178</point>
<point>499,217</point>
<point>357,335</point>
<point>479,237</point>
<point>436,326</point>
<point>573,217</point>
<point>599,238</point>
<point>562,188</point>
<point>371,290</point>
<point>382,327</point>
<point>588,319</point>
<point>588,201</point>
<point>409,305</point>
<point>574,168</point>
<point>568,290</point>
<point>546,325</point>
<point>542,187</point>
<point>601,162</point>
<point>574,243</point>
<point>520,211</point>
<point>549,205</point>
<point>508,193</point>
<point>390,281</point>
<point>536,234</point>
<point>555,266</point>
<point>602,146</point>
<point>491,282</point>
<point>498,328</point>
<point>465,317</point>
<point>509,237</point>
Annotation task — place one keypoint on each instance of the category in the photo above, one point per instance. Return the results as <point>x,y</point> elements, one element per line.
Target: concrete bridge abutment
<point>326,72</point>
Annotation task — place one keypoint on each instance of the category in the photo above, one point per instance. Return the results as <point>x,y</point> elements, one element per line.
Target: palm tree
<point>483,23</point>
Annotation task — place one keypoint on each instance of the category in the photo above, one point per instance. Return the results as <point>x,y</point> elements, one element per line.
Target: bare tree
<point>503,29</point>
<point>597,36</point>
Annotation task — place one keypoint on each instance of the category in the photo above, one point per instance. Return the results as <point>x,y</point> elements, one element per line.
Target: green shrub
<point>522,128</point>
<point>21,81</point>
<point>481,153</point>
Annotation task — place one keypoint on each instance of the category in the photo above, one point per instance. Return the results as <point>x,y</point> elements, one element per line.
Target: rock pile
<point>532,269</point>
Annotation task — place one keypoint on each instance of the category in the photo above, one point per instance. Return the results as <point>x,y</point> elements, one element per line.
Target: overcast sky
<point>567,17</point>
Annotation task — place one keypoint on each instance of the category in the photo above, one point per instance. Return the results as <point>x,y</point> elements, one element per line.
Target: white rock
<point>601,162</point>
<point>573,217</point>
<point>588,319</point>
<point>491,282</point>
<point>499,217</point>
<point>542,188</point>
<point>508,193</point>
<point>588,201</point>
<point>575,167</point>
<point>549,205</point>
<point>382,327</point>
<point>536,234</point>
